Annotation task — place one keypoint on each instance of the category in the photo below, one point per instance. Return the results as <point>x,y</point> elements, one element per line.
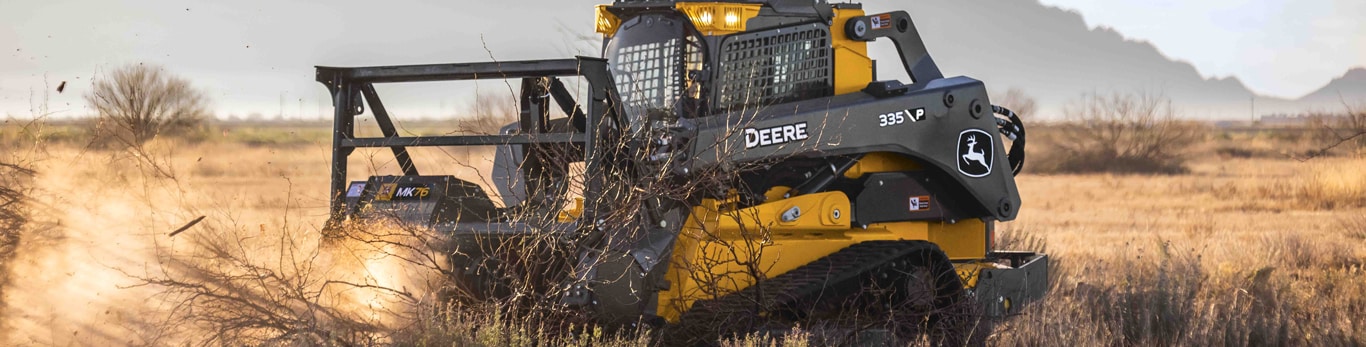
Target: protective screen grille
<point>647,75</point>
<point>774,66</point>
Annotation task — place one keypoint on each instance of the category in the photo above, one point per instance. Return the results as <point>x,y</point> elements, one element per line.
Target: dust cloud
<point>99,232</point>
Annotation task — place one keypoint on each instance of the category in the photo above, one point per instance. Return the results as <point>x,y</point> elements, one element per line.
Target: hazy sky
<point>257,56</point>
<point>1282,48</point>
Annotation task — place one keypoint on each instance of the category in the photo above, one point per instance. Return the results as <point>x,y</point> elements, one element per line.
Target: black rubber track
<point>866,279</point>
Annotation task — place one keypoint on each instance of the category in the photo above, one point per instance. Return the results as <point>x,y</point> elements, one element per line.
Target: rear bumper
<point>1005,291</point>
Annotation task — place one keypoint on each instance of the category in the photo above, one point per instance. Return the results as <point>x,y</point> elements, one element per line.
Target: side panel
<point>946,125</point>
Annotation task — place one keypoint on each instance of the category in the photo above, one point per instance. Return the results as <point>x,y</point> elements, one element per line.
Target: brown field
<point>1255,249</point>
<point>1236,252</point>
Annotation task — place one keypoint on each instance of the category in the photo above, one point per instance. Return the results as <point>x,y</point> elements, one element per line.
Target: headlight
<point>605,22</point>
<point>732,16</point>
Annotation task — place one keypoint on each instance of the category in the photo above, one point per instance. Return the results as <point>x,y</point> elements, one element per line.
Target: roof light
<point>704,18</point>
<point>605,22</point>
<point>718,18</point>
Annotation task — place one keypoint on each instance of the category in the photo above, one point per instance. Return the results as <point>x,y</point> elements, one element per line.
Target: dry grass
<point>1232,253</point>
<point>475,327</point>
<point>1119,133</point>
<point>1235,251</point>
<point>1335,182</point>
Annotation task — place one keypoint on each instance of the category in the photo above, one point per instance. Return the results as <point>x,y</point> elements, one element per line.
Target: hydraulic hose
<point>1013,129</point>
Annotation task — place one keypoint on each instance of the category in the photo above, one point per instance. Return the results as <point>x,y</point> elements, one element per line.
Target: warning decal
<point>920,203</point>
<point>881,21</point>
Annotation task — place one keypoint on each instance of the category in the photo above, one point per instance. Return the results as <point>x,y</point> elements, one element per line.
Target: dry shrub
<point>244,290</point>
<point>370,282</point>
<point>1355,123</point>
<point>1121,133</point>
<point>1346,130</point>
<point>1016,100</point>
<point>14,183</point>
<point>136,103</point>
<point>16,178</point>
<point>14,188</point>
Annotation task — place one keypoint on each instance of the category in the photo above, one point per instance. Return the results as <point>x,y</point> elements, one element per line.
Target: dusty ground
<point>102,220</point>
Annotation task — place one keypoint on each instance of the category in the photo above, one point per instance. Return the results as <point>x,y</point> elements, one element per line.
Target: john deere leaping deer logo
<point>975,153</point>
<point>978,156</point>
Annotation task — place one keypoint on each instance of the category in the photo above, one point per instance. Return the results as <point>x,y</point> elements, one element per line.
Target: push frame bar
<point>352,88</point>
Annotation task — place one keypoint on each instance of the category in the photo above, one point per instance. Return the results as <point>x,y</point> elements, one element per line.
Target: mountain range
<point>1054,56</point>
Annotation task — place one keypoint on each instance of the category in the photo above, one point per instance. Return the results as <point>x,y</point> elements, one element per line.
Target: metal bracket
<point>898,27</point>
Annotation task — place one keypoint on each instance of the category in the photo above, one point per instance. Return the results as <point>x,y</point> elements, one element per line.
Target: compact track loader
<point>733,166</point>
